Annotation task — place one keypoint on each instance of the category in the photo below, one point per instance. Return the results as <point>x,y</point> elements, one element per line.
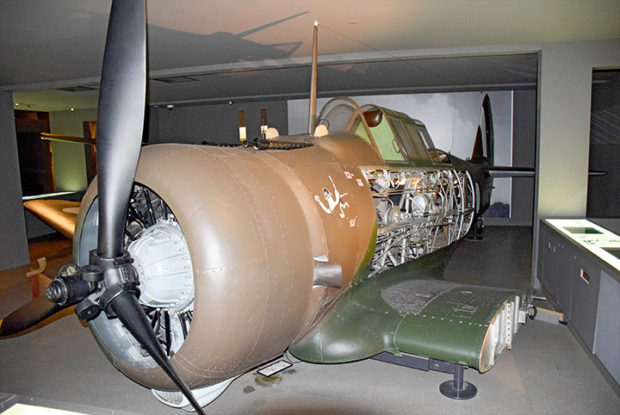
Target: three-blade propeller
<point>110,283</point>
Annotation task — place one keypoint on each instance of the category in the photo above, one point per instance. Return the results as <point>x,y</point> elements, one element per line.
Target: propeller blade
<point>132,316</point>
<point>120,119</point>
<point>120,126</point>
<point>27,316</point>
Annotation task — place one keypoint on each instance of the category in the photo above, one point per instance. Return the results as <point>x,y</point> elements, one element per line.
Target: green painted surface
<point>407,309</point>
<point>453,326</point>
<point>386,143</point>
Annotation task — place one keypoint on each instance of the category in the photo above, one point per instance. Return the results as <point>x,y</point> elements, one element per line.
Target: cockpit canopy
<point>395,136</point>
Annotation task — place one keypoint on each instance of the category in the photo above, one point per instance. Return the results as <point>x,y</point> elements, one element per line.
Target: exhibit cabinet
<point>579,269</point>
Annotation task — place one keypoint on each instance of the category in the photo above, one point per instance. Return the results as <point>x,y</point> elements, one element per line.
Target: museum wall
<point>13,243</point>
<point>212,123</point>
<point>69,159</point>
<point>564,99</point>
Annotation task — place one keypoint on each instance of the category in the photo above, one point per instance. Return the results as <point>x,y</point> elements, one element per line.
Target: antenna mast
<point>313,78</point>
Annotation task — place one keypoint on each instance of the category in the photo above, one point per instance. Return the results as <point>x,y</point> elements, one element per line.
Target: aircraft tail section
<point>484,143</point>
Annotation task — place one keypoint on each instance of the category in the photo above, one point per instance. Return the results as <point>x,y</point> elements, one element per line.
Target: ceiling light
<point>71,109</point>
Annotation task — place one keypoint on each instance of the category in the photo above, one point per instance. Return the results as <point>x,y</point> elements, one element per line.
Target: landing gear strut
<point>476,235</point>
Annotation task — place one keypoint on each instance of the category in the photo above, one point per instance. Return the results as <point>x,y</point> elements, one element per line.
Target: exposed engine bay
<point>418,212</point>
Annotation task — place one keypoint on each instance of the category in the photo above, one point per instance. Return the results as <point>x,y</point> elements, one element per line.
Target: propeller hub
<point>118,277</point>
<point>68,287</point>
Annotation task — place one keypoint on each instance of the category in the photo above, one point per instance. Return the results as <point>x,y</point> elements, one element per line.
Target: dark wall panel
<point>524,155</point>
<point>604,191</point>
<point>213,123</point>
<point>13,243</point>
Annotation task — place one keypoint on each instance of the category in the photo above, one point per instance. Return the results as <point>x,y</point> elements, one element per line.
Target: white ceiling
<point>252,49</point>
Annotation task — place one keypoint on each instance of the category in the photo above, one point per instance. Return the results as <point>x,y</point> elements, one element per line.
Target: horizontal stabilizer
<point>509,171</point>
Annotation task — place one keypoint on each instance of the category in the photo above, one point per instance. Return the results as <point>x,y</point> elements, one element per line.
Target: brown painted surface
<point>253,222</point>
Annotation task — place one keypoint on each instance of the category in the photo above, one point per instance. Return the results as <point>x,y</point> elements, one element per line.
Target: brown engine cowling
<point>255,224</point>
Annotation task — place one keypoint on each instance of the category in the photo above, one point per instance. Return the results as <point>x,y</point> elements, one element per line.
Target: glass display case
<point>601,242</point>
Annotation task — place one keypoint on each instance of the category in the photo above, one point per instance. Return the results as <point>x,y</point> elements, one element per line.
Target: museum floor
<point>547,372</point>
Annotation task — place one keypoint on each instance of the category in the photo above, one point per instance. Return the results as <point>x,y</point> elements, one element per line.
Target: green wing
<point>409,309</point>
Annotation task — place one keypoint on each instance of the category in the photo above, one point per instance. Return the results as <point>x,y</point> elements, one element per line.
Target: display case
<point>579,269</point>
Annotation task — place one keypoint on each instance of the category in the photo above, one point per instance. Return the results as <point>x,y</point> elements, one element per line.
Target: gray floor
<point>547,372</point>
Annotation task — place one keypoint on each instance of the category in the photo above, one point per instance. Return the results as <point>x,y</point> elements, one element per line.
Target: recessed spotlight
<point>71,109</point>
<point>170,107</point>
<point>230,102</point>
<point>16,104</point>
